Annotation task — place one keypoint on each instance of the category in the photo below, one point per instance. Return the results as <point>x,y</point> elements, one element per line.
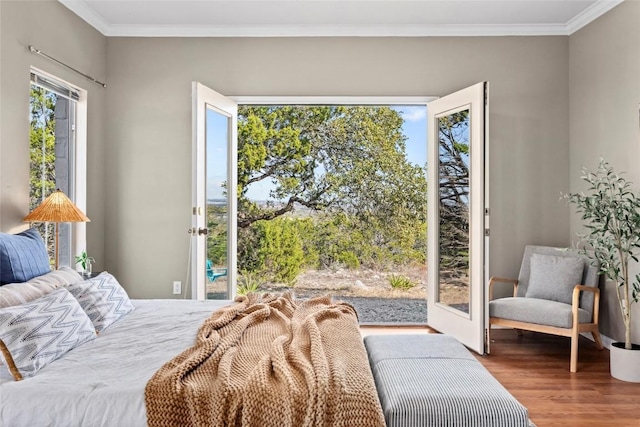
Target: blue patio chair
<point>214,273</point>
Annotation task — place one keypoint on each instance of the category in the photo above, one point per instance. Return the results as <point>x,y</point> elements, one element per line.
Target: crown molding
<point>82,9</point>
<point>85,12</point>
<point>590,14</point>
<point>336,31</point>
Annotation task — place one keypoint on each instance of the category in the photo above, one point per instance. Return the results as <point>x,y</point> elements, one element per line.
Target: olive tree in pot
<point>611,213</point>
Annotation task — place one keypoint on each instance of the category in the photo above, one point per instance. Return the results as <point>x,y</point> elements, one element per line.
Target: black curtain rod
<point>50,58</point>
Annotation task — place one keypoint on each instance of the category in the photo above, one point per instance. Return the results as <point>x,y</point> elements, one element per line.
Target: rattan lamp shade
<point>56,208</point>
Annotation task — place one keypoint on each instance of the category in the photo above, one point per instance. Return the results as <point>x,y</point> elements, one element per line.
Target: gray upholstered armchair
<point>556,293</point>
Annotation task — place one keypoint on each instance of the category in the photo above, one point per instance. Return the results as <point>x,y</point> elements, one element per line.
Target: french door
<point>458,215</point>
<point>214,201</point>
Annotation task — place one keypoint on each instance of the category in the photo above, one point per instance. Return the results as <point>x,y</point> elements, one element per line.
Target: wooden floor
<point>535,369</point>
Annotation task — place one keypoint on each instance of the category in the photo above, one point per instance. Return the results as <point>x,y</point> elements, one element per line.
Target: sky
<point>217,136</point>
<point>414,128</point>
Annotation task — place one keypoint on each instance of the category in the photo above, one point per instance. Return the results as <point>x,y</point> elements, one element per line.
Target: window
<point>54,157</point>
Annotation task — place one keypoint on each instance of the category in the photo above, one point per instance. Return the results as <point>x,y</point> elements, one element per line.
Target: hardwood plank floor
<point>535,369</point>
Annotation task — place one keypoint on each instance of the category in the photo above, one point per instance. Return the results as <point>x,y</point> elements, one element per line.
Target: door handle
<point>198,231</point>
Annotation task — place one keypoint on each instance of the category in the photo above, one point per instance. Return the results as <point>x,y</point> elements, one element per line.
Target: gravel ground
<point>369,291</point>
<point>373,310</point>
<point>388,310</point>
<point>378,310</point>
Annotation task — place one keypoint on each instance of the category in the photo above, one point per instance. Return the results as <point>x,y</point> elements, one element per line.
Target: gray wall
<point>51,27</point>
<point>148,192</point>
<point>604,71</point>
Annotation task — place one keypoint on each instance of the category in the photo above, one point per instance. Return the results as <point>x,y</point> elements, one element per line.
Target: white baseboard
<point>606,341</point>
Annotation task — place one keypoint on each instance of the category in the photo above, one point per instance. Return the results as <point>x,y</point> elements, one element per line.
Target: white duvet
<point>102,382</point>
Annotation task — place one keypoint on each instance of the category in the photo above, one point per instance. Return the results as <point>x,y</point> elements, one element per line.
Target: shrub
<point>400,282</point>
<point>249,282</point>
<point>281,249</point>
<point>348,259</point>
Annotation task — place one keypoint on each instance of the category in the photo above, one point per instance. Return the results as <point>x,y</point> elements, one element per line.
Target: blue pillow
<point>23,256</point>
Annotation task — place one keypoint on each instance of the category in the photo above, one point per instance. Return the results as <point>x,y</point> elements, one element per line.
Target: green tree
<point>276,144</point>
<point>453,132</point>
<point>348,164</point>
<point>42,145</point>
<point>280,252</point>
<point>42,174</point>
<point>326,157</point>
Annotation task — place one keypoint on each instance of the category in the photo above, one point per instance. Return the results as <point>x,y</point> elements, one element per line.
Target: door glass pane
<point>217,137</point>
<point>453,188</point>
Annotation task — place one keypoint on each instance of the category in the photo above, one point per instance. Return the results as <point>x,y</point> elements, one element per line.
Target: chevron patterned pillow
<point>38,332</point>
<point>102,298</point>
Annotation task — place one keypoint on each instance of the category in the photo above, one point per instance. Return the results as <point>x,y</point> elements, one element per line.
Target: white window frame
<point>79,196</point>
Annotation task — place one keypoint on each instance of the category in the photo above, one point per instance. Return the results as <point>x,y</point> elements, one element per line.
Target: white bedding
<point>102,382</point>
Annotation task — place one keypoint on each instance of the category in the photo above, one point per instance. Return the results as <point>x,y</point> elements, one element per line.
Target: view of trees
<point>42,155</point>
<point>42,145</point>
<point>453,131</point>
<point>343,193</point>
<point>346,193</point>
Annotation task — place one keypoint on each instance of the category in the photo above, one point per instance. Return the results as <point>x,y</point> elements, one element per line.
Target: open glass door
<point>457,252</point>
<point>214,219</point>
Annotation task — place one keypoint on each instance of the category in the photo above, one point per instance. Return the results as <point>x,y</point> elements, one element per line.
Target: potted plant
<point>611,212</point>
<point>85,262</point>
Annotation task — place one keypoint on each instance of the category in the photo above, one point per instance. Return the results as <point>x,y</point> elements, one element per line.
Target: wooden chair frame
<point>573,332</point>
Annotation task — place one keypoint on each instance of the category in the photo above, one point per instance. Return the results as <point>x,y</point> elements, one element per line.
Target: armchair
<point>556,293</point>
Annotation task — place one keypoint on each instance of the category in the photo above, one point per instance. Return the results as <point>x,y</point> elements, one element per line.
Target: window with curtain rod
<point>56,87</point>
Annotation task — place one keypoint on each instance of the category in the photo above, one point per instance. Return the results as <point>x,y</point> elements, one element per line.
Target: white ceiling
<point>269,18</point>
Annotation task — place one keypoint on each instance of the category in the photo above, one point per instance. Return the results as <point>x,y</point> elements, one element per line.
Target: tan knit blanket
<point>269,360</point>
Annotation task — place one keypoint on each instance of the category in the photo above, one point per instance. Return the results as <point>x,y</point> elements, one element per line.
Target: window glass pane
<point>217,136</point>
<point>453,187</point>
<point>51,139</point>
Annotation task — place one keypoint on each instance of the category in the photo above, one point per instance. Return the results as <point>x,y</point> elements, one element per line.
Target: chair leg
<point>574,350</point>
<point>596,338</point>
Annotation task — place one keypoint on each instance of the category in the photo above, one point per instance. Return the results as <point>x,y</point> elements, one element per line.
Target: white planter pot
<point>625,364</point>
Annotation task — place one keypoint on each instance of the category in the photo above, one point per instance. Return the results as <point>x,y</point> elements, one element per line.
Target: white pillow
<point>102,298</point>
<point>20,293</point>
<point>36,333</point>
<point>554,277</point>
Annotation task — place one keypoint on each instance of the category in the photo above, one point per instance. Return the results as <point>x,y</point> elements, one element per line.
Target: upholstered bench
<point>433,380</point>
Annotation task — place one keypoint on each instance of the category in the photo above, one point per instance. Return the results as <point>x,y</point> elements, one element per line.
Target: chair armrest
<point>493,280</point>
<point>575,302</point>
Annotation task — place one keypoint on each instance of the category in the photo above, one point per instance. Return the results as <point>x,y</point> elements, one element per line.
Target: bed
<point>102,382</point>
<point>262,360</point>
